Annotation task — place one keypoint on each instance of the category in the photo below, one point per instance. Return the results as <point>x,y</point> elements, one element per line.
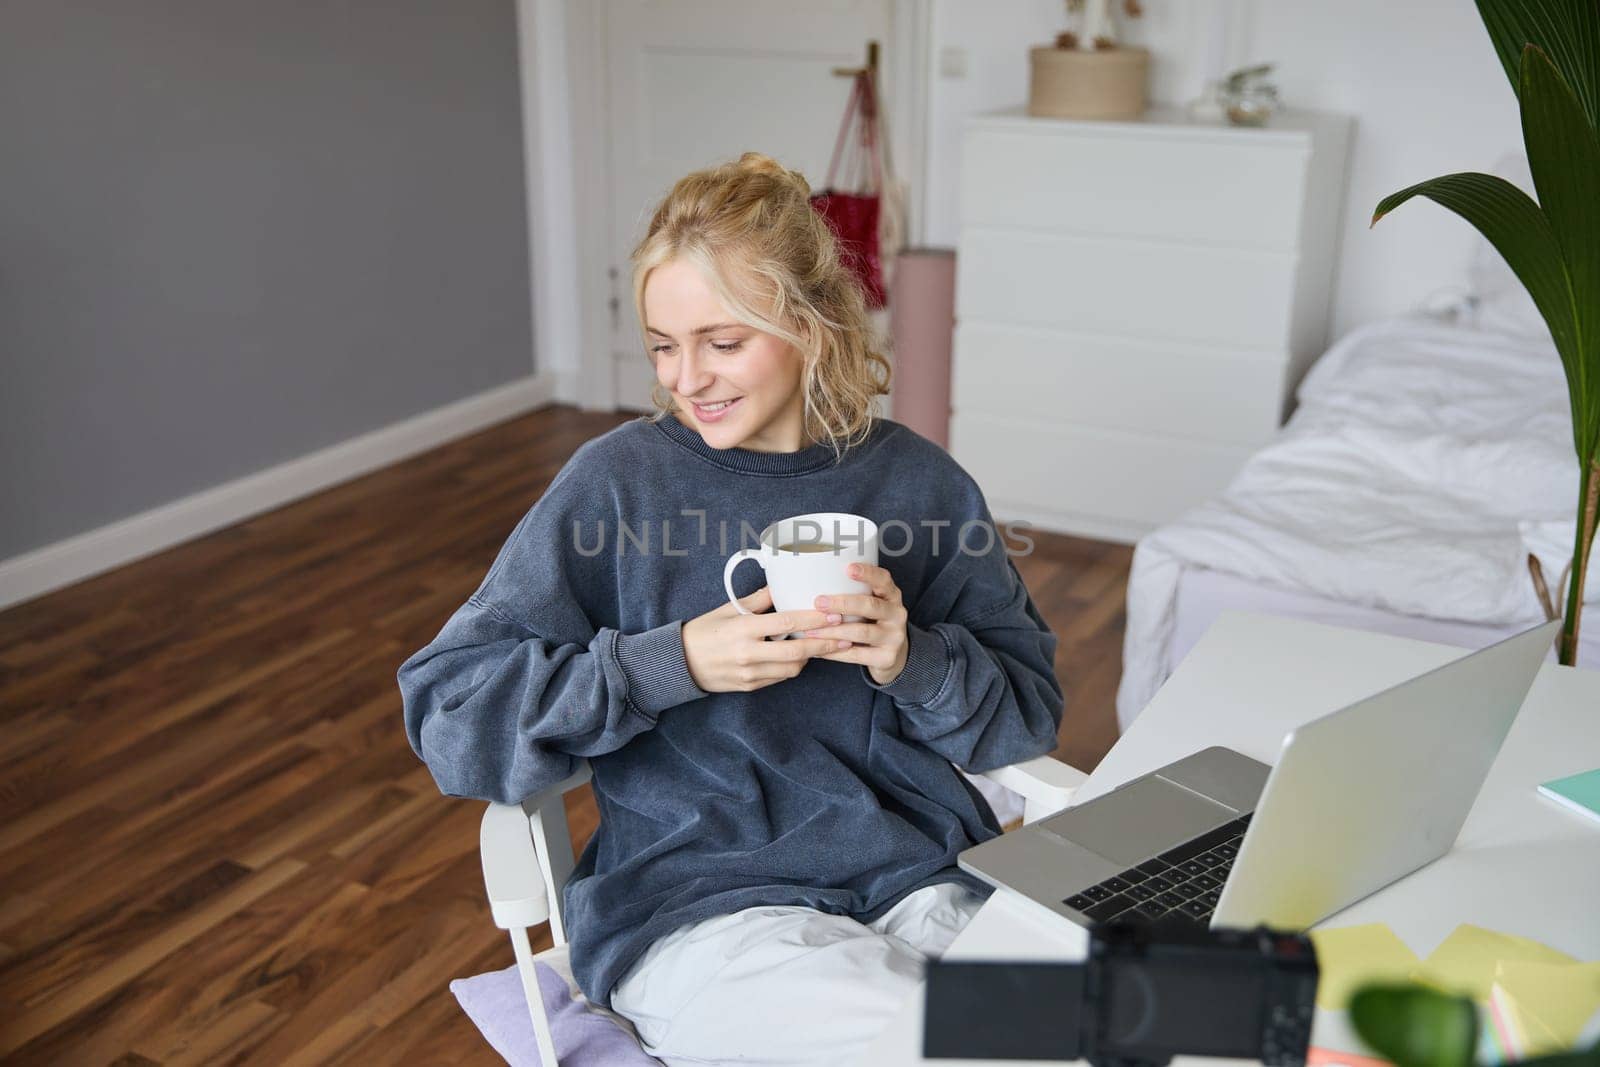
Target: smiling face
<point>704,356</point>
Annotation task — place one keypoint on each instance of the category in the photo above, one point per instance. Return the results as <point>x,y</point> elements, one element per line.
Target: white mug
<point>830,541</point>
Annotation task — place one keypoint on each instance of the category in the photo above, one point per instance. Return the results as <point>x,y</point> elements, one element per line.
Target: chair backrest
<point>547,821</point>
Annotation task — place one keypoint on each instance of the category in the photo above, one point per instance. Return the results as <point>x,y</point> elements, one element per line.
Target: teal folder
<point>1580,792</point>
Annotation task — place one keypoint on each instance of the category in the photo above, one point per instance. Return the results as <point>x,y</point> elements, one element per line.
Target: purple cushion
<point>583,1038</point>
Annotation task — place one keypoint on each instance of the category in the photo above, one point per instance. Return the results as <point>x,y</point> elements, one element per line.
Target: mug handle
<point>727,574</point>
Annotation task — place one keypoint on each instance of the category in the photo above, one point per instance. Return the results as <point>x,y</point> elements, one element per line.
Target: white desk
<point>1522,865</point>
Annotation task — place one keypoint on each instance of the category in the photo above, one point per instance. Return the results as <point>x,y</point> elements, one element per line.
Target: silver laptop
<point>1358,799</point>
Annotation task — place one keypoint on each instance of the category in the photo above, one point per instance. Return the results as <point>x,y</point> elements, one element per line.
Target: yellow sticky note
<point>1352,956</point>
<point>1465,961</point>
<point>1547,1003</point>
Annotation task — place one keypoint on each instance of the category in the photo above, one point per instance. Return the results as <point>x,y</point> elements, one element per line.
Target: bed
<point>1428,456</point>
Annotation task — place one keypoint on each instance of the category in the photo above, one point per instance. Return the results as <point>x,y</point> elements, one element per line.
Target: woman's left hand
<point>880,639</point>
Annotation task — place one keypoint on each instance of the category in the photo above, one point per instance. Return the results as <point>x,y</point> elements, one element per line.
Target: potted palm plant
<point>1551,51</point>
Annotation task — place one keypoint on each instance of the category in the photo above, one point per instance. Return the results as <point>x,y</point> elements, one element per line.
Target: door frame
<point>563,75</point>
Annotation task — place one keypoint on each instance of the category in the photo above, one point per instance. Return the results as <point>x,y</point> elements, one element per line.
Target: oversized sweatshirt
<point>825,790</point>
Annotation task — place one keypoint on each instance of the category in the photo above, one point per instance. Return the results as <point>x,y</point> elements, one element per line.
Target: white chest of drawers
<point>1135,303</point>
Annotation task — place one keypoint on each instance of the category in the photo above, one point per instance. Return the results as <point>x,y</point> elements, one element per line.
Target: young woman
<point>779,819</point>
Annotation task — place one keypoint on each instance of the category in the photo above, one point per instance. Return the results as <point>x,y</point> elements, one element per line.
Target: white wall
<point>1421,78</point>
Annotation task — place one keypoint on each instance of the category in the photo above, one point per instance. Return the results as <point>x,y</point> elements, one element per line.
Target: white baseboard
<point>564,389</point>
<point>76,558</point>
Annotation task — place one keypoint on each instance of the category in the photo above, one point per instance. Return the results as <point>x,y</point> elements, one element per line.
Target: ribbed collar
<point>748,461</point>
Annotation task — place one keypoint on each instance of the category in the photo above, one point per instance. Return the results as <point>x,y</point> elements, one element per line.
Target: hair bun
<point>760,163</point>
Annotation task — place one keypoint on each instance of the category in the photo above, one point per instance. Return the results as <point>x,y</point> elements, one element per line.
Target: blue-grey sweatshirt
<point>825,790</point>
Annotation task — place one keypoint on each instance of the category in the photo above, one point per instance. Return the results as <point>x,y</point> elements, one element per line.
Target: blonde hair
<point>774,262</point>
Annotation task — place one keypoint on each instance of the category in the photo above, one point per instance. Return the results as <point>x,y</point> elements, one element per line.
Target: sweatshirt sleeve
<point>979,684</point>
<point>521,683</point>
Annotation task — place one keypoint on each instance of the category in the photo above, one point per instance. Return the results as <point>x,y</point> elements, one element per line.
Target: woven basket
<point>1071,84</point>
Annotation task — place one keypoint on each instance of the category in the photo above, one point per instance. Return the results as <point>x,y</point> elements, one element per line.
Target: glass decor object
<point>1248,97</point>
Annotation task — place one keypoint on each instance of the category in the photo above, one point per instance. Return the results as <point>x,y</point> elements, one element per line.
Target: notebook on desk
<point>1578,793</point>
<point>1358,799</point>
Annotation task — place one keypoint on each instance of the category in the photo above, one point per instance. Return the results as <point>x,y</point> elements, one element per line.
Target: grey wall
<point>233,232</point>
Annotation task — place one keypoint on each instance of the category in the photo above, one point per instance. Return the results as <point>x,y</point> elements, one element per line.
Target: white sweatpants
<point>786,985</point>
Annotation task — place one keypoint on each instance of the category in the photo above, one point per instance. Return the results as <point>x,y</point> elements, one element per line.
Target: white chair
<point>528,857</point>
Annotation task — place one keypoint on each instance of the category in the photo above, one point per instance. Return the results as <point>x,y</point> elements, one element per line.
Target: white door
<point>692,83</point>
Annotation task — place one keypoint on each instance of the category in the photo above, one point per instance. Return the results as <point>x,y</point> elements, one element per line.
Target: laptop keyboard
<point>1181,883</point>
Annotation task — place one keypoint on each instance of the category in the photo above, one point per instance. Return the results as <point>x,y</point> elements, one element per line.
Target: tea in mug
<point>807,546</point>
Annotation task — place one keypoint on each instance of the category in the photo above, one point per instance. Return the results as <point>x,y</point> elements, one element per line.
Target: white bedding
<point>1425,461</point>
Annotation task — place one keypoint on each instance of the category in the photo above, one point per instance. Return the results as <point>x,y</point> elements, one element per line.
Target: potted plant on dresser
<point>1086,74</point>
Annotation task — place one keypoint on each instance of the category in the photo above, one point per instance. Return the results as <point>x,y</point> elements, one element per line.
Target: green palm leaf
<point>1510,220</point>
<point>1568,32</point>
<point>1564,156</point>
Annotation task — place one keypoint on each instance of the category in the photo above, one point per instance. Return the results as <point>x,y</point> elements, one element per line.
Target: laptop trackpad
<point>1139,820</point>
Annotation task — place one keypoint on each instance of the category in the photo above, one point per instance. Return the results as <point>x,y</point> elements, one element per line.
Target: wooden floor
<point>218,846</point>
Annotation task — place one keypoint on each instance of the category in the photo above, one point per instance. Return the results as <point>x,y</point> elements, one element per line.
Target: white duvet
<point>1424,463</point>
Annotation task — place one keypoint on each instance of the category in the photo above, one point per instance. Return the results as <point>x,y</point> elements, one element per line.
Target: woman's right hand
<point>727,651</point>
